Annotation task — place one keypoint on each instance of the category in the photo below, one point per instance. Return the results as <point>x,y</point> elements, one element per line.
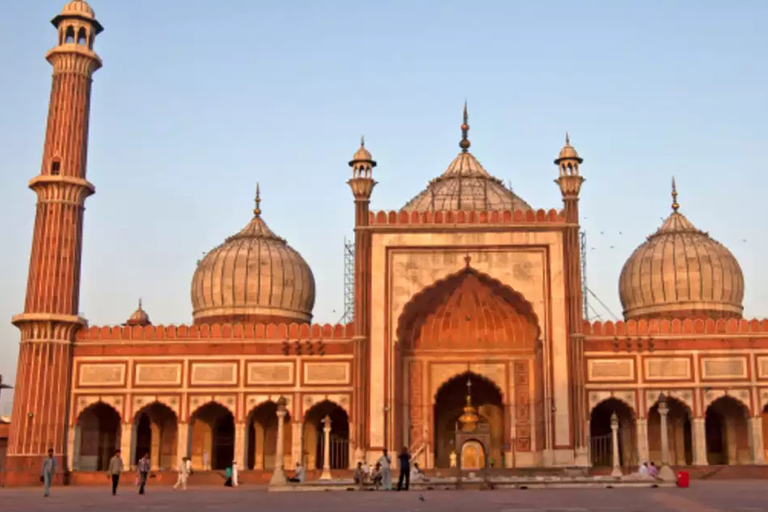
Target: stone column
<point>182,443</point>
<point>699,442</point>
<point>756,440</point>
<point>615,441</point>
<point>127,444</point>
<point>326,475</point>
<point>278,475</point>
<point>73,446</point>
<point>241,433</point>
<point>154,449</point>
<point>665,472</point>
<point>642,440</point>
<point>297,443</point>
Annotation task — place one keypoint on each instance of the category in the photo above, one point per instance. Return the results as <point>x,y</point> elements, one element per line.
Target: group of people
<point>116,467</point>
<point>646,471</point>
<point>381,475</point>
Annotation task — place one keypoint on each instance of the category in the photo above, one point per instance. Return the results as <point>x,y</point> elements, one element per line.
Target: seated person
<point>417,474</point>
<point>300,476</point>
<point>376,476</point>
<point>359,475</point>
<point>653,471</point>
<point>642,471</point>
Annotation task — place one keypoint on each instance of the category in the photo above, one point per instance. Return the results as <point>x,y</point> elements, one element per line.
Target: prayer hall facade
<point>468,306</point>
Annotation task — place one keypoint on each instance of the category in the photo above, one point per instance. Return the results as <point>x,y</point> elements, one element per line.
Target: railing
<point>339,452</point>
<point>601,450</point>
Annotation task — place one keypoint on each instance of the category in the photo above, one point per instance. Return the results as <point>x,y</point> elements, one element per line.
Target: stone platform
<point>478,483</point>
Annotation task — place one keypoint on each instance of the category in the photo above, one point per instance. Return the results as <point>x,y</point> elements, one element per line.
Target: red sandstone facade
<point>466,282</point>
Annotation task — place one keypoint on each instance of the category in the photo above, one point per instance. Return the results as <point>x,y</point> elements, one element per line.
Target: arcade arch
<point>212,432</point>
<point>451,400</point>
<point>679,433</point>
<point>156,435</point>
<point>314,436</point>
<point>727,432</point>
<point>97,437</point>
<point>261,443</point>
<point>600,435</point>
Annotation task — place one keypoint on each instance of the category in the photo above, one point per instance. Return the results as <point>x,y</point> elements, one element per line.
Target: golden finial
<point>567,139</point>
<point>675,205</point>
<point>464,144</point>
<point>362,141</point>
<point>257,210</point>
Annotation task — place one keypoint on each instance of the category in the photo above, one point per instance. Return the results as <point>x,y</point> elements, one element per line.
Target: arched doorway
<point>98,436</point>
<point>600,434</point>
<point>156,434</point>
<point>262,438</point>
<point>450,401</point>
<point>213,433</point>
<point>470,317</point>
<point>764,424</point>
<point>679,433</point>
<point>314,436</point>
<point>727,432</point>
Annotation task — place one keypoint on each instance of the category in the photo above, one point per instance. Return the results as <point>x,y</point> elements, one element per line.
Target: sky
<point>198,101</point>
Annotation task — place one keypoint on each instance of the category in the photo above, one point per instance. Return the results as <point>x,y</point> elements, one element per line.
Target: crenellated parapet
<point>216,331</point>
<point>676,326</point>
<point>493,217</point>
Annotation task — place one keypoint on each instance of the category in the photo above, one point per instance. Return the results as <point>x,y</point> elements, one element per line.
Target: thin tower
<point>584,292</point>
<point>41,408</point>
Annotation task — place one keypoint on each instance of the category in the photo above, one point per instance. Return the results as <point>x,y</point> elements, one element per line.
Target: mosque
<point>468,343</point>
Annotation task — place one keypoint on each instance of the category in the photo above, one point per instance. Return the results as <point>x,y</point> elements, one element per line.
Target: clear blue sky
<point>199,100</point>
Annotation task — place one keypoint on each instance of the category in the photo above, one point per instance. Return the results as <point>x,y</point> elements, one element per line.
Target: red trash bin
<point>683,479</point>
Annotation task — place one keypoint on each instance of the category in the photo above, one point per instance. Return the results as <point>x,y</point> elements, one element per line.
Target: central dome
<point>681,272</point>
<point>465,185</point>
<point>254,276</point>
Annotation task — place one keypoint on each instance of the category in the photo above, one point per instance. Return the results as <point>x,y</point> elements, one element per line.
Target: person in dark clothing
<point>404,461</point>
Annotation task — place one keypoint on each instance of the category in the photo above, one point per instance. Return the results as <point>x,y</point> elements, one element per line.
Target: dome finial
<point>362,141</point>
<point>257,210</point>
<point>139,302</point>
<point>675,205</point>
<point>567,139</point>
<point>464,144</point>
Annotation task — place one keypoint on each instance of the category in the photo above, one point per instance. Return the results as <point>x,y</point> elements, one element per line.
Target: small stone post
<point>326,475</point>
<point>616,472</point>
<point>278,475</point>
<point>665,472</point>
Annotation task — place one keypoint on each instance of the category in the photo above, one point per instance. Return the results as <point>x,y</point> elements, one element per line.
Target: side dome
<point>254,276</point>
<point>465,185</point>
<point>681,272</point>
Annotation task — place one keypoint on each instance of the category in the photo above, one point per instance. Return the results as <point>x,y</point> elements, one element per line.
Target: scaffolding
<point>584,289</point>
<point>349,282</point>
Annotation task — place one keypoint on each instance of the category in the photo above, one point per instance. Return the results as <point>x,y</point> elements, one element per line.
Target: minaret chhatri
<point>570,180</point>
<point>362,184</point>
<point>41,405</point>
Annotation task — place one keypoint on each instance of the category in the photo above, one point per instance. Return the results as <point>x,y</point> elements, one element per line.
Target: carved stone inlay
<point>522,406</point>
<point>659,368</point>
<point>416,405</point>
<point>102,374</point>
<point>611,369</point>
<point>762,367</point>
<point>214,373</point>
<point>724,368</point>
<point>270,373</point>
<point>150,374</point>
<point>326,373</point>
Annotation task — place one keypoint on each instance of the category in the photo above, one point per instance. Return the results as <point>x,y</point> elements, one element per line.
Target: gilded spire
<point>567,139</point>
<point>469,419</point>
<point>464,144</point>
<point>675,205</point>
<point>257,210</point>
<point>362,141</point>
<point>139,303</point>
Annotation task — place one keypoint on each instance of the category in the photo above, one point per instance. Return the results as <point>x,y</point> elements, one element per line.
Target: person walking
<point>234,473</point>
<point>404,461</point>
<point>385,461</point>
<point>206,461</point>
<point>183,475</point>
<point>143,472</point>
<point>47,471</point>
<point>114,469</point>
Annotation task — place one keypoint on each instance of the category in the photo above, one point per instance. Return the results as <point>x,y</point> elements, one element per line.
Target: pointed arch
<point>727,431</point>
<point>97,436</point>
<point>470,308</point>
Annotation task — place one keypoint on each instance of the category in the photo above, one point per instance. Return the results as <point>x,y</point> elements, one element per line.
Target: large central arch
<point>472,319</point>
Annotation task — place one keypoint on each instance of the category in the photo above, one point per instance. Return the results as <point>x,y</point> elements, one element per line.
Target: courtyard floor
<point>720,496</point>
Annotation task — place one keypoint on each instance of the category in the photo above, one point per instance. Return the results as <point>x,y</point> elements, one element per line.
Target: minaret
<point>50,319</point>
<point>570,180</point>
<point>362,184</point>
